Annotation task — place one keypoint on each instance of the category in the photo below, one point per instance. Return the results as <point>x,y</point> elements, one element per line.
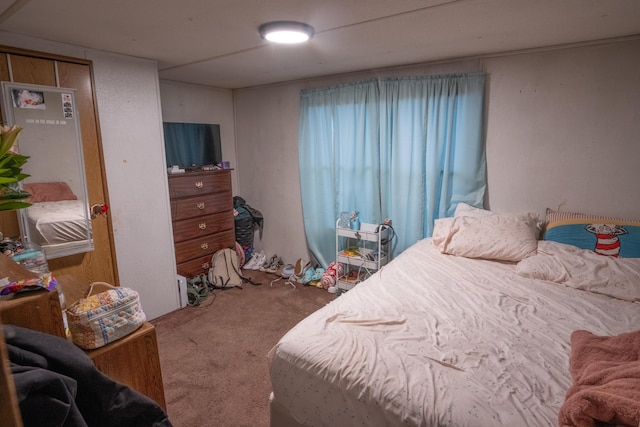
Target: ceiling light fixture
<point>286,31</point>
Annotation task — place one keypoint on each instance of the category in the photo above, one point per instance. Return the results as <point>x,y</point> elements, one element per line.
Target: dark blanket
<point>58,385</point>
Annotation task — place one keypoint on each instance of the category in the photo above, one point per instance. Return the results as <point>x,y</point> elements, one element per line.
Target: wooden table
<point>132,360</point>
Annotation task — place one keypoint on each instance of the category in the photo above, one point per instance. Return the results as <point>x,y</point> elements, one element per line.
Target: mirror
<point>59,218</point>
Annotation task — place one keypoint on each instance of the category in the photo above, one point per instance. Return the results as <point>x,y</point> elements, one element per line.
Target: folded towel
<point>606,375</point>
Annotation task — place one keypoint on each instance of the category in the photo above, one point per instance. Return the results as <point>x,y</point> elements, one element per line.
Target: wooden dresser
<point>202,216</point>
<point>132,360</point>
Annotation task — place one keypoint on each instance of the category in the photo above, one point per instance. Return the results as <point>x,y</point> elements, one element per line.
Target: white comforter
<point>58,222</point>
<point>439,340</point>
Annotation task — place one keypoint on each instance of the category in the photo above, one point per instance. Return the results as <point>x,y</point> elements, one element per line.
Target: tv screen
<point>192,144</point>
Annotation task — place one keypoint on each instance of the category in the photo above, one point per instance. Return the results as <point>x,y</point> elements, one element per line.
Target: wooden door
<point>21,66</point>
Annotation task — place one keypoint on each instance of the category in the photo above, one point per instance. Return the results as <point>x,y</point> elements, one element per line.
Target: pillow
<point>49,192</point>
<point>583,269</point>
<point>464,209</point>
<point>502,237</point>
<point>603,235</point>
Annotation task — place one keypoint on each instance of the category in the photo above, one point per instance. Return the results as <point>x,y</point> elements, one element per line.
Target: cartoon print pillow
<point>607,236</point>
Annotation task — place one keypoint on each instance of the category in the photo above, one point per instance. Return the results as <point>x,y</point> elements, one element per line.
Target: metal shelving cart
<point>361,253</point>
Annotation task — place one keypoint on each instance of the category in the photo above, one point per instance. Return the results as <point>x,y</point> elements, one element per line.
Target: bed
<point>56,220</point>
<point>472,327</point>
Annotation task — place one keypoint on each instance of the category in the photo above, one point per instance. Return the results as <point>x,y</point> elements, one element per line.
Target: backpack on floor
<point>197,289</point>
<point>225,270</point>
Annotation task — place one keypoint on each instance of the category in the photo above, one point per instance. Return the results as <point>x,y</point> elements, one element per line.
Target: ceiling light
<point>286,32</point>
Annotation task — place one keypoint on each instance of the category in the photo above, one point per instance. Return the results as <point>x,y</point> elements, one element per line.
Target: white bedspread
<point>57,222</point>
<point>439,340</point>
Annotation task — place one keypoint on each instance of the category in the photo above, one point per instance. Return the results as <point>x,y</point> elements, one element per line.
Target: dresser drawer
<point>194,184</point>
<point>206,204</point>
<point>202,218</point>
<point>201,226</point>
<point>203,246</point>
<point>195,267</point>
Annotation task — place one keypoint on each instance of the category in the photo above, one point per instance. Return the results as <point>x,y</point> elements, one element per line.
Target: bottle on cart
<point>354,222</point>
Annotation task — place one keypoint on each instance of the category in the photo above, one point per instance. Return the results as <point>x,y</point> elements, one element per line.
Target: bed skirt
<point>278,415</point>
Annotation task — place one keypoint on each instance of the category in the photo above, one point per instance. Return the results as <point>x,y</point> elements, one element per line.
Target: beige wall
<point>562,130</point>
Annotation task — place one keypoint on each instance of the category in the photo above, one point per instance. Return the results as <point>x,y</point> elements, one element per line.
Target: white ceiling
<point>216,42</point>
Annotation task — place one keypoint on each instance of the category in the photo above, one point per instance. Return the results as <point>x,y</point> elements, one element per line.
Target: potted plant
<point>11,195</point>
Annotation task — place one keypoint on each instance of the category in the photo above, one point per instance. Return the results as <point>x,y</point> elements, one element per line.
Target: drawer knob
<point>204,246</point>
<point>205,265</point>
<point>202,225</point>
<point>200,205</point>
<point>199,184</point>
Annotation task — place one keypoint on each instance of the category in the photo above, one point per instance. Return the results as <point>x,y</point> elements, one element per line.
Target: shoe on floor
<point>257,259</point>
<point>275,266</point>
<point>268,262</point>
<point>298,267</point>
<point>287,271</point>
<point>300,270</point>
<point>280,269</point>
<point>252,261</point>
<point>262,257</point>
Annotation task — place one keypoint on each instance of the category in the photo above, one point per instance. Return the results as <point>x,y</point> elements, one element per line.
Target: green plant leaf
<point>8,136</point>
<point>11,195</point>
<point>7,180</point>
<point>10,206</point>
<point>14,195</point>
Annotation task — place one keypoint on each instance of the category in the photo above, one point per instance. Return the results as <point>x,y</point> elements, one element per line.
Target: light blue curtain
<point>339,159</point>
<point>408,149</point>
<point>432,150</point>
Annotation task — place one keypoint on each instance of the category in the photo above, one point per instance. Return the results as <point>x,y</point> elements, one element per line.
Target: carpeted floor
<point>213,356</point>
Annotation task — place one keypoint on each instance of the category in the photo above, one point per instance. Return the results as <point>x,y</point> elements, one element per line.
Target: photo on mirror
<point>24,98</point>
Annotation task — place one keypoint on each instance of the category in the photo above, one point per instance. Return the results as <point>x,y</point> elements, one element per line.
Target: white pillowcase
<point>503,237</point>
<point>464,209</point>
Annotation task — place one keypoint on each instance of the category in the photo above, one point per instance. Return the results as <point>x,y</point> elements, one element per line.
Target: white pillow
<point>464,209</point>
<point>502,237</point>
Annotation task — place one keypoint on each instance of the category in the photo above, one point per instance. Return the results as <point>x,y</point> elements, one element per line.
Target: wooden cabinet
<point>202,215</point>
<point>132,360</point>
<point>38,310</point>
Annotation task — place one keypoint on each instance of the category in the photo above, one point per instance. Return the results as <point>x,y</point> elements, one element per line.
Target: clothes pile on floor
<point>247,221</point>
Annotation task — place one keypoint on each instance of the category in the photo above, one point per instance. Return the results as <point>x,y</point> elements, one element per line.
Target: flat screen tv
<point>192,144</point>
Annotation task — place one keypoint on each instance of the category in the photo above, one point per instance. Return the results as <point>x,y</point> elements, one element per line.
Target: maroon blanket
<point>606,381</point>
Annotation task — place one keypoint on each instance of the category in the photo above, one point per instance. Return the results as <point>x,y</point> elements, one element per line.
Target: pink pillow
<point>49,192</point>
